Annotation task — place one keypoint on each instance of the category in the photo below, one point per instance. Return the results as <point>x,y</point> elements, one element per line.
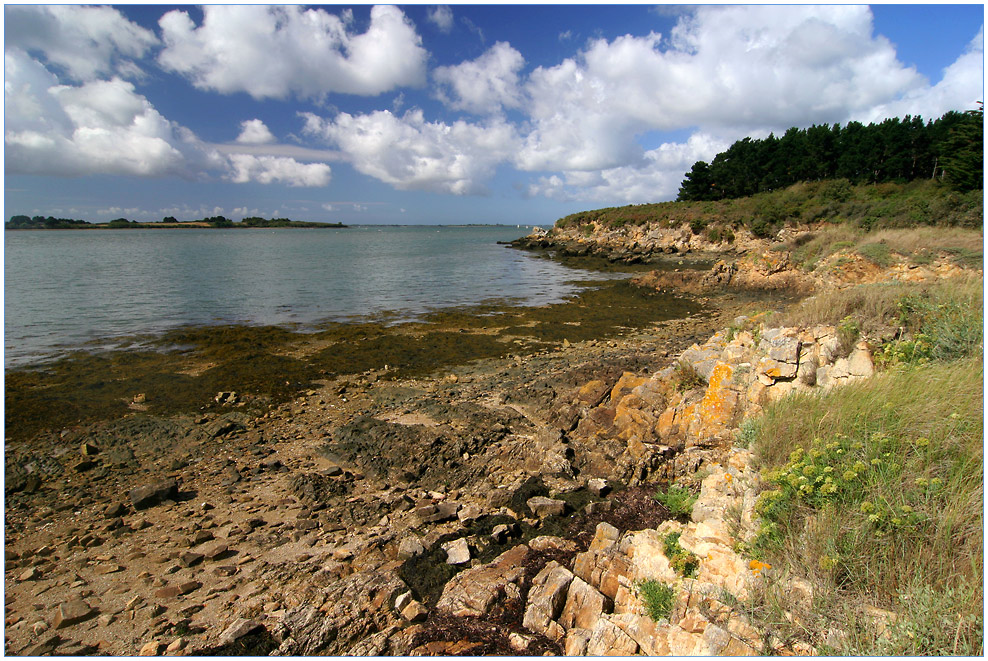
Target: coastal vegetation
<point>21,222</point>
<point>839,202</point>
<point>875,490</point>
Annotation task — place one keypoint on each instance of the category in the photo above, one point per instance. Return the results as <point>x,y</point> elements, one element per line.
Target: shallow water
<point>67,289</point>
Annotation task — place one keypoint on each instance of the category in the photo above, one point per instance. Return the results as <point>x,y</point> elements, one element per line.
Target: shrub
<point>657,597</point>
<point>687,377</point>
<point>683,562</point>
<point>678,500</point>
<point>876,495</point>
<point>848,332</point>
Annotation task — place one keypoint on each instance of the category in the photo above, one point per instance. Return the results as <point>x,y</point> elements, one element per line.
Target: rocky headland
<point>502,506</point>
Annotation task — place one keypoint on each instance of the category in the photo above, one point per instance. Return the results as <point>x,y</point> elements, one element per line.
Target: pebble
<point>152,648</point>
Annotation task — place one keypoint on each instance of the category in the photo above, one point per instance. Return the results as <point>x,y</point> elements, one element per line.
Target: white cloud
<point>86,42</point>
<point>106,127</point>
<point>442,16</point>
<point>723,67</point>
<point>411,153</point>
<point>100,127</point>
<point>254,132</point>
<point>486,84</point>
<point>280,50</point>
<point>960,88</point>
<point>657,177</point>
<point>272,169</point>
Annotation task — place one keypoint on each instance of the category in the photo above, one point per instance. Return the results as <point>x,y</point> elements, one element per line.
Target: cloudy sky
<point>448,114</point>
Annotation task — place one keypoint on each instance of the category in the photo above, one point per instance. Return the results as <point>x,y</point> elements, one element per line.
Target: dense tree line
<point>949,149</point>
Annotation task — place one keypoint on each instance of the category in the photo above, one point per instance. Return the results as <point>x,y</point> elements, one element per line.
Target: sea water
<point>65,289</point>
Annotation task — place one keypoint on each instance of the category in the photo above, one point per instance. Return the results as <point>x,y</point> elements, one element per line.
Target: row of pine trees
<point>949,149</point>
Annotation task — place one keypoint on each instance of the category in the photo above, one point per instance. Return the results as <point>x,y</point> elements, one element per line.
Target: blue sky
<point>439,113</point>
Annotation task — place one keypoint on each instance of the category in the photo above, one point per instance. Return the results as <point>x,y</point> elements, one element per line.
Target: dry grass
<point>878,306</point>
<point>936,239</point>
<point>919,245</point>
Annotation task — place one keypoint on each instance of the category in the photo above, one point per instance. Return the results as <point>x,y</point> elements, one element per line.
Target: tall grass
<point>893,514</point>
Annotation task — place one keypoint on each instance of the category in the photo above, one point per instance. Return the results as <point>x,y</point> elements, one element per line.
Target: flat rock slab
<point>240,628</point>
<point>72,612</point>
<point>543,507</point>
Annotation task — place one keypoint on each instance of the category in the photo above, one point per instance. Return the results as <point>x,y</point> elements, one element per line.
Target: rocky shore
<point>503,506</point>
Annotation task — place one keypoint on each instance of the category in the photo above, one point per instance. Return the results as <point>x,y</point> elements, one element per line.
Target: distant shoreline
<point>180,226</point>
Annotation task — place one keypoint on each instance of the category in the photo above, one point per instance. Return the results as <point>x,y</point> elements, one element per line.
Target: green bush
<point>657,597</point>
<point>677,500</point>
<point>683,562</point>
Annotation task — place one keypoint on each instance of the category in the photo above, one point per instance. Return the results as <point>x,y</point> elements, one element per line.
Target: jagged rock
<point>519,642</point>
<point>215,552</point>
<point>546,599</point>
<point>152,494</point>
<point>410,546</point>
<point>414,611</point>
<point>576,642</point>
<point>356,606</point>
<point>598,486</point>
<point>607,639</point>
<point>472,592</point>
<point>583,605</point>
<point>152,648</point>
<point>551,543</point>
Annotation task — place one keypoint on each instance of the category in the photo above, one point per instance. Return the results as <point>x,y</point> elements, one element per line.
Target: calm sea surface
<point>64,289</point>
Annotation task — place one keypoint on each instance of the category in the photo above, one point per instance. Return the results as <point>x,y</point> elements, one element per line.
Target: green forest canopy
<point>949,149</point>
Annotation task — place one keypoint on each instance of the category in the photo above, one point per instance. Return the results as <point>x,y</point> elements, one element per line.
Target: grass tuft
<point>678,500</point>
<point>657,597</point>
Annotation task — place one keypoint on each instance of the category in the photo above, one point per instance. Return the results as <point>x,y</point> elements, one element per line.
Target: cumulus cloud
<point>442,17</point>
<point>85,42</point>
<point>106,127</point>
<point>100,127</point>
<point>483,85</point>
<point>254,132</point>
<point>657,176</point>
<point>960,88</point>
<point>413,154</point>
<point>273,169</point>
<point>282,50</point>
<point>744,68</point>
